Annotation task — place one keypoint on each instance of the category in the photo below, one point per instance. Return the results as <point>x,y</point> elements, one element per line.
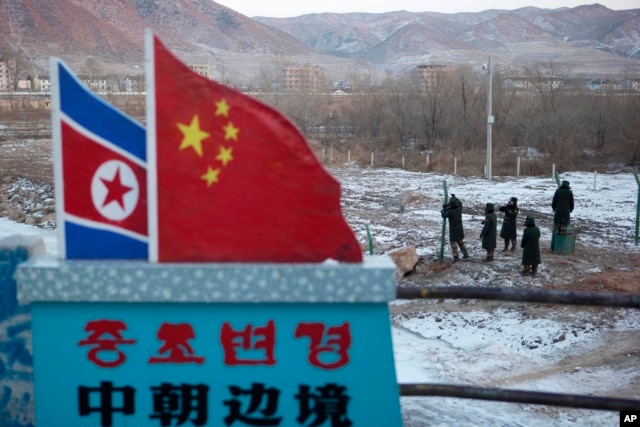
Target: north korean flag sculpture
<point>100,174</point>
<point>230,178</point>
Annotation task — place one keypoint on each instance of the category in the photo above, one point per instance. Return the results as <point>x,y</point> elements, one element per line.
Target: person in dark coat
<point>562,205</point>
<point>508,231</point>
<point>453,211</point>
<point>489,231</point>
<point>530,247</point>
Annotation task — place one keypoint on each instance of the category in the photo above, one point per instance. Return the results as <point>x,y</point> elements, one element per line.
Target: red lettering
<point>176,338</point>
<point>113,329</point>
<point>235,342</point>
<point>336,342</point>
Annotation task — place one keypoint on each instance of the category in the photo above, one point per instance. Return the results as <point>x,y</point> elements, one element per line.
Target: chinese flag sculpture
<point>231,179</point>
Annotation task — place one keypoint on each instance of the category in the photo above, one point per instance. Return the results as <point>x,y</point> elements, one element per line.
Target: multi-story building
<point>95,83</point>
<point>203,69</point>
<point>305,78</point>
<point>132,83</point>
<point>7,75</point>
<point>631,84</point>
<point>527,82</point>
<point>42,83</point>
<point>428,75</point>
<point>605,85</point>
<point>518,82</point>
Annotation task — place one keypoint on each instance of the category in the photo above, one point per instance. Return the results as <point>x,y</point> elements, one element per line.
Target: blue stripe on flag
<point>98,116</point>
<point>90,243</point>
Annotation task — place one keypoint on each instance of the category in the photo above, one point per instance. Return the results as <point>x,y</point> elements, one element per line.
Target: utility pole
<point>489,118</point>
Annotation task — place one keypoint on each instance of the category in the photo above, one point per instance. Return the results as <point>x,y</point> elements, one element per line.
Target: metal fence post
<point>637,208</point>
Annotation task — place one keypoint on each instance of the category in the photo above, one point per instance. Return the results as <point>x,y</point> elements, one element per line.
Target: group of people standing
<point>562,206</point>
<point>508,232</point>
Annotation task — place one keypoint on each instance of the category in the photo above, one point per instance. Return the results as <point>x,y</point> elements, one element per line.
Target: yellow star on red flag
<point>193,135</point>
<point>231,132</point>
<point>222,108</point>
<point>211,176</point>
<point>225,155</point>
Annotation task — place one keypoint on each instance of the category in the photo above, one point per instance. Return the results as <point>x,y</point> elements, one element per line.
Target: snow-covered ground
<point>499,344</point>
<point>557,349</point>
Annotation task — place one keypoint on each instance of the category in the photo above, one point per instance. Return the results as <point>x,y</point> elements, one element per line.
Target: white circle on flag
<point>114,190</point>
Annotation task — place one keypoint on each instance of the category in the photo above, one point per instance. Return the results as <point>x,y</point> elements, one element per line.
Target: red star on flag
<point>115,190</point>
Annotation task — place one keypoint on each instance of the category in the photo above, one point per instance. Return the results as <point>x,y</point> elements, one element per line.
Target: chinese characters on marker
<point>252,405</point>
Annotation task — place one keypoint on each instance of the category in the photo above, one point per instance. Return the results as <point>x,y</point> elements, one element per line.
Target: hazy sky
<point>286,8</point>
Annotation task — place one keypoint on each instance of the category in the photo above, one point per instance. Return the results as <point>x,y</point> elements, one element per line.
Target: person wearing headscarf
<point>453,212</point>
<point>562,205</point>
<point>530,245</point>
<point>508,230</point>
<point>489,231</point>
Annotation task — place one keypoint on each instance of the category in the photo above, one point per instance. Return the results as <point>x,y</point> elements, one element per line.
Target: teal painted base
<point>264,362</point>
<point>16,359</point>
<point>212,345</point>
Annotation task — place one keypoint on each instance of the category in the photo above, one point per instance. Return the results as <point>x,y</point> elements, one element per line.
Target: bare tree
<point>397,92</point>
<point>467,104</point>
<point>433,103</point>
<point>559,129</point>
<point>626,116</point>
<point>526,119</point>
<point>369,115</point>
<point>547,78</point>
<point>92,66</point>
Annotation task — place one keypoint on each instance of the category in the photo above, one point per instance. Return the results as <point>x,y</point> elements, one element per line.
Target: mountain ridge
<point>593,25</point>
<point>594,37</point>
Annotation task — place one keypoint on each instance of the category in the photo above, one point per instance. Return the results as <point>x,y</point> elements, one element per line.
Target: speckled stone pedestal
<point>50,279</point>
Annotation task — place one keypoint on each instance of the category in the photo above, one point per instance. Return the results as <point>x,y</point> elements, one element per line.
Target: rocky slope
<point>359,35</point>
<point>112,30</point>
<point>597,39</point>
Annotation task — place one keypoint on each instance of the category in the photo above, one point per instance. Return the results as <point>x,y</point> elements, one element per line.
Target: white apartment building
<point>7,75</point>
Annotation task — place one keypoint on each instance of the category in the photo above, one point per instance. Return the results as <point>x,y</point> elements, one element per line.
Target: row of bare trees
<point>573,127</point>
<point>403,121</point>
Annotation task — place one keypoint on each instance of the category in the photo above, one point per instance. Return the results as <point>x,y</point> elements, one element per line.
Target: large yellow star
<point>211,176</point>
<point>225,155</point>
<point>222,108</point>
<point>230,132</point>
<point>193,135</point>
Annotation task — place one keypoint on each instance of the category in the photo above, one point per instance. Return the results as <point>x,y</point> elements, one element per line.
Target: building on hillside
<point>521,83</point>
<point>343,86</point>
<point>7,74</point>
<point>113,82</point>
<point>203,69</point>
<point>306,78</point>
<point>428,74</point>
<point>529,82</point>
<point>604,85</point>
<point>95,83</point>
<point>132,83</point>
<point>575,84</point>
<point>631,84</point>
<point>24,85</point>
<point>550,83</point>
<point>42,83</point>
